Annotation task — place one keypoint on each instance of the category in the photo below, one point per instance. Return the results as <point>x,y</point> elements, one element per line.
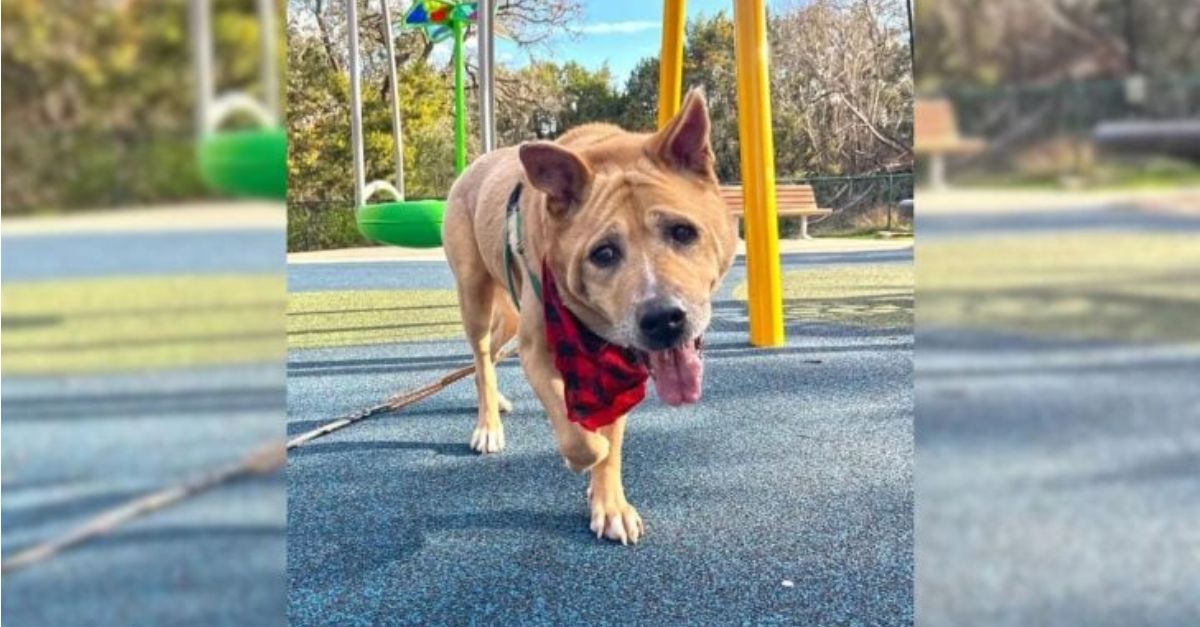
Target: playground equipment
<point>402,222</point>
<point>765,300</point>
<point>487,47</point>
<point>443,19</point>
<point>249,162</point>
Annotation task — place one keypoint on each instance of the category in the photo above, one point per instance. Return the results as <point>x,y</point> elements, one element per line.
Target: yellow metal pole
<point>758,173</point>
<point>670,63</point>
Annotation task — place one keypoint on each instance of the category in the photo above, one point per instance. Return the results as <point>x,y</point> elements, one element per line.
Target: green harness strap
<point>514,208</point>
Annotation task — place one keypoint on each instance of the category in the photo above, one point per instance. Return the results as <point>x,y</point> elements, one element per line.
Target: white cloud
<point>622,28</point>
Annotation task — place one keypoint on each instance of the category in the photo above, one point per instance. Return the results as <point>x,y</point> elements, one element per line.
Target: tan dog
<point>637,237</point>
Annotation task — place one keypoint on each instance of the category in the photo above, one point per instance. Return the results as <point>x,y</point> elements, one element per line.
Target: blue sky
<point>619,32</point>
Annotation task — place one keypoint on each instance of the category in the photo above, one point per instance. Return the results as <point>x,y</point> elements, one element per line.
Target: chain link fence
<point>859,204</point>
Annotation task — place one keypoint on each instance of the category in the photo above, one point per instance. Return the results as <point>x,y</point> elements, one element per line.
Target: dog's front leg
<point>580,448</point>
<point>612,516</point>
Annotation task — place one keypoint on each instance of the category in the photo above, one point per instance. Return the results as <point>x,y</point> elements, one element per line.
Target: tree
<point>588,96</point>
<point>544,99</point>
<point>530,23</point>
<point>98,98</point>
<point>842,92</point>
<point>320,161</point>
<point>709,62</point>
<point>641,97</point>
<point>986,43</point>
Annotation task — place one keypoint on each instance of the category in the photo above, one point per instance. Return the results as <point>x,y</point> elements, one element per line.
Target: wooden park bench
<point>1173,138</point>
<point>791,201</point>
<point>936,135</point>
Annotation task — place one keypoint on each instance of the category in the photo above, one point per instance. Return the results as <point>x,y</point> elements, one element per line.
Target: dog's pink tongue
<point>678,373</point>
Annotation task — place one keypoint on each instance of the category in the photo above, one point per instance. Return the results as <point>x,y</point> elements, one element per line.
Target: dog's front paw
<point>503,403</point>
<point>488,438</point>
<point>616,519</point>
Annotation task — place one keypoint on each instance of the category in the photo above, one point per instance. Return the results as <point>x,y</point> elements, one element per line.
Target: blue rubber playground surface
<point>87,427</point>
<point>1057,427</point>
<point>784,497</point>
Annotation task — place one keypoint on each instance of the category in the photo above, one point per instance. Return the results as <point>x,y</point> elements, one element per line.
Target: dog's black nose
<point>662,323</point>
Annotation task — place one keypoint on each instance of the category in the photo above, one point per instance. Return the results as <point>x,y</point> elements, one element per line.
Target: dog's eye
<point>682,233</point>
<point>605,255</point>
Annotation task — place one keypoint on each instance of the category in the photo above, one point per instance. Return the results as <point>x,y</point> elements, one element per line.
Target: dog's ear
<point>558,172</point>
<point>684,144</point>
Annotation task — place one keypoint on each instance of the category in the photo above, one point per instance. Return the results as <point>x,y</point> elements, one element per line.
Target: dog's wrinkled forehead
<point>632,193</point>
<point>611,195</point>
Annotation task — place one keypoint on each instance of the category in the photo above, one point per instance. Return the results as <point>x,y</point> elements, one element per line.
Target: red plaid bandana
<point>602,381</point>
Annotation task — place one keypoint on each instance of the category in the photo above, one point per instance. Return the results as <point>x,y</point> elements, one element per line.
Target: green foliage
<point>588,96</point>
<point>320,163</point>
<point>641,97</point>
<point>708,62</point>
<point>98,99</point>
<point>544,99</point>
<point>320,225</point>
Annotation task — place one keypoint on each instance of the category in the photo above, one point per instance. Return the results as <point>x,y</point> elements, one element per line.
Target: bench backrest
<point>934,121</point>
<point>937,130</point>
<point>786,196</point>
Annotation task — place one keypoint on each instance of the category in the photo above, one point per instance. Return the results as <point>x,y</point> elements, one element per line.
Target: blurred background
<point>1058,424</point>
<point>142,311</point>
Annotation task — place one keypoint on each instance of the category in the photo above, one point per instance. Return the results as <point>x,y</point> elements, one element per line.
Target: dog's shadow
<point>423,505</point>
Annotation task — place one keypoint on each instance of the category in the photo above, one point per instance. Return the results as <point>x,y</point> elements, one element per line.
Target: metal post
<point>202,60</point>
<point>765,299</point>
<point>460,99</point>
<point>397,127</point>
<point>670,64</point>
<point>270,60</point>
<point>356,147</point>
<point>937,171</point>
<point>891,200</point>
<point>912,38</point>
<point>487,56</point>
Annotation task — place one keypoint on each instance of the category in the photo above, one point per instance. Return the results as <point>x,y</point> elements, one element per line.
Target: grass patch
<point>877,295</point>
<point>1113,174</point>
<point>141,323</point>
<point>1123,287</point>
<point>349,318</point>
<point>863,223</point>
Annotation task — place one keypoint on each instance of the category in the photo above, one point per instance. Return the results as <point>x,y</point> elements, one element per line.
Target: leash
<point>265,458</point>
<point>271,456</point>
<point>395,403</point>
<point>512,213</point>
